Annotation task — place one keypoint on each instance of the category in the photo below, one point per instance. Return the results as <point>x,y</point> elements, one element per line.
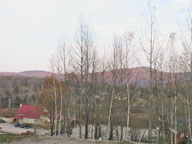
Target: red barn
<point>28,113</point>
<point>182,137</point>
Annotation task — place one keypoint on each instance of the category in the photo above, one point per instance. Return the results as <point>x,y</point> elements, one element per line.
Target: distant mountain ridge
<point>139,76</point>
<point>30,73</point>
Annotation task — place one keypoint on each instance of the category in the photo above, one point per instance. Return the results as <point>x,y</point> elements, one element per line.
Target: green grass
<point>7,138</point>
<point>123,143</point>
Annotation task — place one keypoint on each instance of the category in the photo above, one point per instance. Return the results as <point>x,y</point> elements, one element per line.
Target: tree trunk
<point>61,109</point>
<point>86,125</point>
<point>175,111</point>
<point>128,113</point>
<point>121,138</point>
<point>51,130</point>
<point>96,130</point>
<point>189,115</point>
<point>163,122</point>
<point>172,120</point>
<point>80,111</point>
<point>68,122</point>
<point>55,94</point>
<point>109,117</point>
<point>150,101</point>
<point>111,133</point>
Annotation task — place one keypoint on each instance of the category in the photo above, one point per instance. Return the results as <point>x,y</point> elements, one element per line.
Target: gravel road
<point>9,128</point>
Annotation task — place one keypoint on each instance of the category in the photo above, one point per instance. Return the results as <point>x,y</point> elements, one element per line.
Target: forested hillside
<point>19,89</point>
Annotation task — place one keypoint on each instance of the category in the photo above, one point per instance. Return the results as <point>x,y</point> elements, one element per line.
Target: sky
<point>30,30</point>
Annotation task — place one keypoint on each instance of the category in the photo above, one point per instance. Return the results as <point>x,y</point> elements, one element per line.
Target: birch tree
<point>63,52</point>
<point>114,69</point>
<point>129,60</point>
<point>149,51</point>
<point>53,65</point>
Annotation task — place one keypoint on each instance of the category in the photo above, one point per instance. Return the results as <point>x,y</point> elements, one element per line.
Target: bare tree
<point>63,54</point>
<point>161,63</point>
<point>129,54</point>
<point>78,66</point>
<point>185,70</point>
<point>55,92</point>
<point>150,55</point>
<point>114,70</point>
<point>173,68</point>
<point>82,53</point>
<point>187,45</point>
<point>109,129</point>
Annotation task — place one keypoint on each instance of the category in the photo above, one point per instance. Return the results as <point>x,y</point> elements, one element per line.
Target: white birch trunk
<point>128,113</point>
<point>109,117</point>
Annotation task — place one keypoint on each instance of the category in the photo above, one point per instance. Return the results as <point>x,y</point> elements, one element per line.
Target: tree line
<point>79,92</point>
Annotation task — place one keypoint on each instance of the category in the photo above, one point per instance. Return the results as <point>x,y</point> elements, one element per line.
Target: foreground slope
<point>61,140</point>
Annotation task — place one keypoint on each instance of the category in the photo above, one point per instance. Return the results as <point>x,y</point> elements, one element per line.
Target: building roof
<point>27,111</point>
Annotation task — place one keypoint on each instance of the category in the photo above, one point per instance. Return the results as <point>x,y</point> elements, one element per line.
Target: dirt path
<point>61,140</point>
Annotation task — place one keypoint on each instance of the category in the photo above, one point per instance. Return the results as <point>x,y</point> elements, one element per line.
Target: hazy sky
<point>30,29</point>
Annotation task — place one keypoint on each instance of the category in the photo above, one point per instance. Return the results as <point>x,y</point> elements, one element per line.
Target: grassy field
<point>31,139</point>
<point>7,138</point>
<point>21,139</point>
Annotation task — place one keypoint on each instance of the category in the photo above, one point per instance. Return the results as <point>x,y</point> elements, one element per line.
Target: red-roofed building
<point>27,114</point>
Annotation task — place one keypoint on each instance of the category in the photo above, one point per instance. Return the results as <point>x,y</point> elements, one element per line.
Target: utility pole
<point>35,126</point>
<point>9,102</point>
<point>157,138</point>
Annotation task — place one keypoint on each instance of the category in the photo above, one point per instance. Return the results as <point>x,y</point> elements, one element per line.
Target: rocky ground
<point>61,140</point>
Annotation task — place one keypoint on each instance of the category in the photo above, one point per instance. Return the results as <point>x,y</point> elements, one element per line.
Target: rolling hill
<point>33,73</point>
<point>139,76</point>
